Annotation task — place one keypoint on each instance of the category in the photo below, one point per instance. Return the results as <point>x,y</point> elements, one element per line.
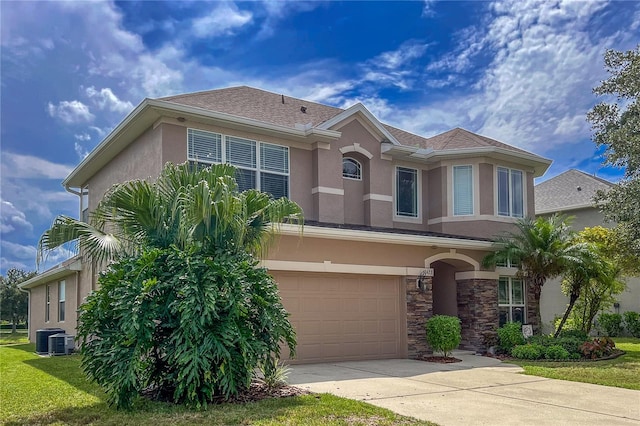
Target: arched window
<point>351,169</point>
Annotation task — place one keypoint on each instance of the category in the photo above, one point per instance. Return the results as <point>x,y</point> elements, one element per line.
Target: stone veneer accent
<point>477,310</point>
<point>419,310</point>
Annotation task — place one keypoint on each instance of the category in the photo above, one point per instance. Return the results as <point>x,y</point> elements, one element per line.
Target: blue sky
<point>518,71</point>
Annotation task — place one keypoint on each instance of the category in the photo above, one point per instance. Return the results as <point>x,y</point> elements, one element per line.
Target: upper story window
<point>259,165</point>
<point>462,190</point>
<point>510,192</point>
<point>508,264</point>
<point>406,192</point>
<point>351,169</point>
<point>61,299</point>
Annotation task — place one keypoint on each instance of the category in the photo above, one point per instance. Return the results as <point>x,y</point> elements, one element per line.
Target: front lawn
<point>43,390</point>
<point>8,338</point>
<point>622,372</point>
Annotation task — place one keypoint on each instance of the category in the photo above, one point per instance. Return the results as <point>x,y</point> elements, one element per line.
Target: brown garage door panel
<point>344,317</point>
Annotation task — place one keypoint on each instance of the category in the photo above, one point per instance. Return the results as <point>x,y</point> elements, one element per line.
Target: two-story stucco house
<point>396,224</point>
<point>571,193</point>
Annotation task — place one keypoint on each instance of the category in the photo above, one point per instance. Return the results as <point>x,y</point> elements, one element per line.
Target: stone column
<point>419,310</point>
<point>477,310</point>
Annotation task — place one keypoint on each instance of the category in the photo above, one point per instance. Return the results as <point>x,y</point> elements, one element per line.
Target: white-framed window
<point>259,165</point>
<point>61,299</point>
<point>508,264</point>
<point>510,192</point>
<point>47,306</point>
<point>462,190</point>
<point>406,192</point>
<point>511,300</point>
<point>351,169</point>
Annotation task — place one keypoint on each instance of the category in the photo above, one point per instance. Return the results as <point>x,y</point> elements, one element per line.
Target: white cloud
<point>18,251</point>
<point>30,167</point>
<point>394,59</point>
<point>84,137</point>
<point>106,99</point>
<point>427,9</point>
<point>222,20</point>
<point>80,150</point>
<point>70,112</point>
<point>12,219</point>
<point>8,264</point>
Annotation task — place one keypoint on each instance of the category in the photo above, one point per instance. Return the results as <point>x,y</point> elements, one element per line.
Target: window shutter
<point>204,146</point>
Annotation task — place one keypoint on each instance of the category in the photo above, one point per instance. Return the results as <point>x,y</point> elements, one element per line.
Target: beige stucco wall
<point>553,303</point>
<point>37,306</point>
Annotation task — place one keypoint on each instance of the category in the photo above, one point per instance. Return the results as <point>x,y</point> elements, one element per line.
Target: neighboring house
<point>571,193</point>
<point>396,224</point>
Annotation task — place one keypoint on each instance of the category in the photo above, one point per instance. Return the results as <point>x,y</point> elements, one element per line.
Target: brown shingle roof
<point>561,192</point>
<point>257,104</point>
<point>249,102</point>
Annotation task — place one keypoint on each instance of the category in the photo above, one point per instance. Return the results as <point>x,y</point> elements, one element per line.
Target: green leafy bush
<point>598,348</point>
<point>611,324</point>
<point>528,351</point>
<point>556,352</point>
<point>443,333</point>
<point>569,325</point>
<point>632,323</point>
<point>182,326</point>
<point>570,344</point>
<point>578,334</point>
<point>510,335</point>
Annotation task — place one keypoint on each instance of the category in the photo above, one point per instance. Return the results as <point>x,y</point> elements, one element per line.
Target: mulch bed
<point>259,391</point>
<point>439,359</point>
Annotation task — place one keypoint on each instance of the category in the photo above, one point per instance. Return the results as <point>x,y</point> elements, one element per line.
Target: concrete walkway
<point>476,391</point>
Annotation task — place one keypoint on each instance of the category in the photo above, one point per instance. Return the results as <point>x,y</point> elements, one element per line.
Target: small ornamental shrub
<point>570,344</point>
<point>569,325</point>
<point>528,351</point>
<point>556,352</point>
<point>443,333</point>
<point>610,324</point>
<point>510,335</point>
<point>632,323</point>
<point>578,334</point>
<point>598,348</point>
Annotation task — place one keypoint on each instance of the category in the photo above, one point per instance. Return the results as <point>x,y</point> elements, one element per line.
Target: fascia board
<point>59,271</point>
<point>539,164</point>
<point>359,107</point>
<point>567,208</point>
<point>383,237</point>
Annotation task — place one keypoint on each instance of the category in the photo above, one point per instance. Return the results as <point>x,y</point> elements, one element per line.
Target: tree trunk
<point>14,320</point>
<point>572,301</point>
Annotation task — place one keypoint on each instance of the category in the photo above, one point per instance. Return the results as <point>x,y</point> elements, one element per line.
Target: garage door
<point>344,317</point>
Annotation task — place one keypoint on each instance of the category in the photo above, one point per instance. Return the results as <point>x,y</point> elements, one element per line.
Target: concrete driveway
<point>477,391</point>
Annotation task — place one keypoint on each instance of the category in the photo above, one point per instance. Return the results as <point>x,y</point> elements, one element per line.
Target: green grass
<point>43,390</point>
<point>7,338</point>
<point>622,372</point>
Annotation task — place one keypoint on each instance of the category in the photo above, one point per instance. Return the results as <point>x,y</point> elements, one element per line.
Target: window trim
<point>453,189</point>
<point>358,165</point>
<point>510,305</point>
<point>510,192</point>
<point>405,218</point>
<point>258,157</point>
<point>62,285</point>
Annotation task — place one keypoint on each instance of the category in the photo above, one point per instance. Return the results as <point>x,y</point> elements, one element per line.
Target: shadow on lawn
<point>147,412</point>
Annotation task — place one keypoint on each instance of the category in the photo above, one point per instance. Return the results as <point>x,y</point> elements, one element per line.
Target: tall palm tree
<point>543,248</point>
<point>186,205</point>
<point>589,265</point>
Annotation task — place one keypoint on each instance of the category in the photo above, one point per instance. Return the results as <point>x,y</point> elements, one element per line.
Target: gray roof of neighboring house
<point>569,190</point>
<point>268,107</point>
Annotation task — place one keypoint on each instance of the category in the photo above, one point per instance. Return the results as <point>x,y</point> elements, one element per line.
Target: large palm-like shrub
<point>182,312</point>
<point>543,247</point>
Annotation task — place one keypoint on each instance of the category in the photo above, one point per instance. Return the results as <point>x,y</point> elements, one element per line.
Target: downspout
<point>28,291</point>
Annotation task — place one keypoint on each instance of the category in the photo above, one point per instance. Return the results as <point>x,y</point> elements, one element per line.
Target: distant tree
<point>616,128</point>
<point>14,304</point>
<point>543,247</point>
